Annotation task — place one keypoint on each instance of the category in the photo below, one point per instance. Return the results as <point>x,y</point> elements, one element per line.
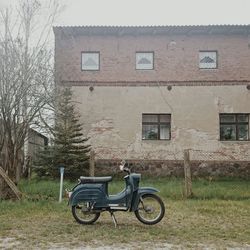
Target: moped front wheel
<point>83,214</point>
<point>150,210</point>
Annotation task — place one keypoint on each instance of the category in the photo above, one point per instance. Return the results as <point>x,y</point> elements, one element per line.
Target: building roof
<point>31,130</point>
<point>154,30</point>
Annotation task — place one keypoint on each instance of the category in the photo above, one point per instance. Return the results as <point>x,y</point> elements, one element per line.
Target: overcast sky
<point>152,12</point>
<point>155,12</point>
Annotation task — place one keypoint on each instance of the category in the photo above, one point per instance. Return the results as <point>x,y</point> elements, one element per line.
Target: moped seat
<point>84,179</point>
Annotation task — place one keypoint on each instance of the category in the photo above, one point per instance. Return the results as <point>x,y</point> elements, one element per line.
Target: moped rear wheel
<point>83,214</point>
<point>150,210</point>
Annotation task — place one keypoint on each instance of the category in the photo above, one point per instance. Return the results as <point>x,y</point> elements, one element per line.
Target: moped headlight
<point>68,193</point>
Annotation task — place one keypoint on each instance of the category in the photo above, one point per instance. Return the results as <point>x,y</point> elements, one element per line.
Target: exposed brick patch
<point>171,63</point>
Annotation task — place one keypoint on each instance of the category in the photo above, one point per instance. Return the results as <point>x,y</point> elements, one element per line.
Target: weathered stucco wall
<point>112,118</point>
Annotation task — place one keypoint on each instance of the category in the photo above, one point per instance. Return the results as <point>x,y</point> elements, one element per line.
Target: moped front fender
<point>141,192</point>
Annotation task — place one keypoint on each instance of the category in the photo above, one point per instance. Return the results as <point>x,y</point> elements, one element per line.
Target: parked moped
<point>90,197</point>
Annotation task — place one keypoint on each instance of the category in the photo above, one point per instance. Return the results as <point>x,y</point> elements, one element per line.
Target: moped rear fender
<point>141,192</point>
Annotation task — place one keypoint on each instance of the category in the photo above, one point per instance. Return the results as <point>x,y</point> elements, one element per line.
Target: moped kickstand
<point>113,218</point>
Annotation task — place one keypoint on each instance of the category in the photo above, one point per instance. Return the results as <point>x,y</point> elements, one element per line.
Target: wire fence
<point>221,155</point>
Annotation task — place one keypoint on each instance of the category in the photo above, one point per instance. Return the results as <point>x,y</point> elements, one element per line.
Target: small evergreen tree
<point>69,149</point>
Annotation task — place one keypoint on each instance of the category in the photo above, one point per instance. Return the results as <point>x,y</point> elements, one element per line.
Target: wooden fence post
<point>187,172</point>
<point>10,183</point>
<point>92,163</point>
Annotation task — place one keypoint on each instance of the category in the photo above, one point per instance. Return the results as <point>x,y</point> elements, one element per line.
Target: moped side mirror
<point>122,165</point>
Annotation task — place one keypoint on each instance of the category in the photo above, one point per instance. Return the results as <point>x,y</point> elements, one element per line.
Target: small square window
<point>156,126</point>
<point>144,60</point>
<point>90,60</point>
<point>208,59</point>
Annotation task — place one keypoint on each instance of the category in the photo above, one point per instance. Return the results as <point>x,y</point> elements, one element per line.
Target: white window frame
<point>148,57</point>
<point>209,58</point>
<point>93,57</point>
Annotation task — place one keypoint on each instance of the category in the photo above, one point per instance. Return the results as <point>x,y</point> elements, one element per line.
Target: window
<point>90,60</point>
<point>144,60</point>
<point>156,126</point>
<point>208,59</point>
<point>234,127</point>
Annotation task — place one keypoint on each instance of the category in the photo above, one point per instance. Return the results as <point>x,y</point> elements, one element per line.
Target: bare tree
<point>26,81</point>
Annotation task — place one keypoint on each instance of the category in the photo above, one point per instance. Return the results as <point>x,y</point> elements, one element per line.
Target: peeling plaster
<point>222,107</point>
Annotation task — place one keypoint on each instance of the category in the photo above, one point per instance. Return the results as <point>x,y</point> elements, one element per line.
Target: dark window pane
<point>164,132</point>
<point>243,132</point>
<point>228,132</point>
<point>227,118</point>
<point>149,118</point>
<point>149,132</point>
<point>242,118</point>
<point>165,118</point>
<point>156,126</point>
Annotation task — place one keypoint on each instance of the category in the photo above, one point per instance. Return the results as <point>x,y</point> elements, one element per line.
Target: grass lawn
<point>217,217</point>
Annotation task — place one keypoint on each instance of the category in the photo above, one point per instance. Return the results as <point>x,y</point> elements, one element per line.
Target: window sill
<point>156,140</point>
<point>238,141</point>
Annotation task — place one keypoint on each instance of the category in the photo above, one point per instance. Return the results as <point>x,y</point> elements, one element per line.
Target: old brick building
<point>147,93</point>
